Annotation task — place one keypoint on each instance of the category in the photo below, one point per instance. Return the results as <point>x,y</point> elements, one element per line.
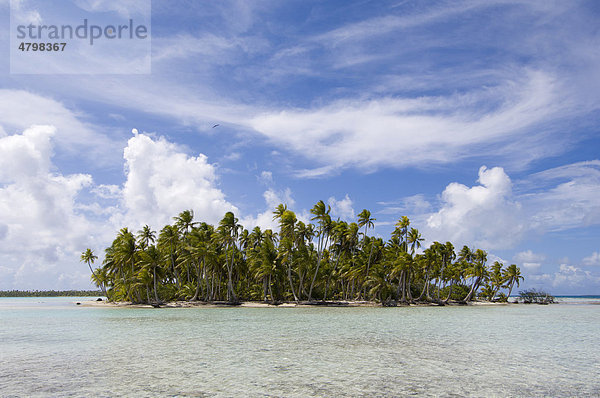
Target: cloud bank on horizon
<point>476,119</point>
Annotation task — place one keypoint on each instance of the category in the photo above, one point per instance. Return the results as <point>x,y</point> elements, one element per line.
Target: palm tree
<point>496,279</point>
<point>152,258</point>
<point>428,261</point>
<point>229,229</point>
<point>265,264</point>
<point>146,236</point>
<point>89,257</point>
<point>287,221</point>
<point>321,214</point>
<point>126,254</point>
<point>365,220</point>
<point>448,255</point>
<point>337,259</point>
<point>401,231</point>
<point>169,241</point>
<point>512,275</point>
<point>184,221</point>
<point>455,272</point>
<point>478,272</point>
<point>101,278</point>
<point>414,238</point>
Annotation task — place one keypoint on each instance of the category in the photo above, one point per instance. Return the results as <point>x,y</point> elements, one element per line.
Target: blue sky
<point>477,119</point>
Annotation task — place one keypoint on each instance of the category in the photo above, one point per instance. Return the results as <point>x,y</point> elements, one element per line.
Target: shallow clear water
<point>51,347</point>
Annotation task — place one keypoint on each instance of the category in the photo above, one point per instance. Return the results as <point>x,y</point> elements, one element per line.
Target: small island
<point>324,262</point>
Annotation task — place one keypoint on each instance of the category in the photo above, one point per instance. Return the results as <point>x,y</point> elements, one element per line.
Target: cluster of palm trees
<point>324,259</point>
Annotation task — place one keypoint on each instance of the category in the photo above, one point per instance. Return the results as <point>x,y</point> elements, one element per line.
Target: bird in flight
<point>216,125</point>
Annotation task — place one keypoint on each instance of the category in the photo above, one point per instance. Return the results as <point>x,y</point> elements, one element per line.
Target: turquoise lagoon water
<point>51,347</point>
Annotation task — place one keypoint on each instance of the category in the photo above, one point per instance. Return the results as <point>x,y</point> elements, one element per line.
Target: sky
<point>479,120</point>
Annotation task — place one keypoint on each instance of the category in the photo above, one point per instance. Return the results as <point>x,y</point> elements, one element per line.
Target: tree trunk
<point>441,279</point>
<point>469,296</point>
<point>197,284</point>
<point>289,272</point>
<point>154,278</point>
<point>425,287</point>
<point>230,293</point>
<point>314,278</point>
<point>300,284</point>
<point>510,289</point>
<point>319,258</point>
<point>408,293</point>
<point>402,283</point>
<point>271,290</point>
<point>449,293</point>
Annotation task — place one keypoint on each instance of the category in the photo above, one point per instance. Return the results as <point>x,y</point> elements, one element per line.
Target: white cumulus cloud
<point>342,208</point>
<point>41,231</point>
<point>529,260</point>
<point>273,198</point>
<point>162,180</point>
<point>592,260</point>
<point>47,218</point>
<point>484,215</point>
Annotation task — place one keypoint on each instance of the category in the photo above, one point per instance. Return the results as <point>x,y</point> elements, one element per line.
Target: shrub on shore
<point>536,297</point>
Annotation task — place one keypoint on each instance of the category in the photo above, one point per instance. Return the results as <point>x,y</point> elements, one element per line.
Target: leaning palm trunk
<point>329,278</point>
<point>449,293</point>
<point>470,295</point>
<point>301,284</point>
<point>425,288</point>
<point>135,289</point>
<point>155,292</point>
<point>494,293</point>
<point>289,273</point>
<point>312,284</point>
<point>510,288</point>
<point>439,285</point>
<point>265,289</point>
<point>101,284</point>
<point>428,295</point>
<point>319,258</point>
<point>207,284</point>
<point>197,284</point>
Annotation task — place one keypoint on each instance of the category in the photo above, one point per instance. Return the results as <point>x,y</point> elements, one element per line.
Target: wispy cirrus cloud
<point>20,109</point>
<point>401,132</point>
<point>564,197</point>
<point>438,106</point>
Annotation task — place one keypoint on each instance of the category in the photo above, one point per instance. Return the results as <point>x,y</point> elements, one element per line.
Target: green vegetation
<point>319,261</point>
<point>50,293</point>
<point>535,296</point>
